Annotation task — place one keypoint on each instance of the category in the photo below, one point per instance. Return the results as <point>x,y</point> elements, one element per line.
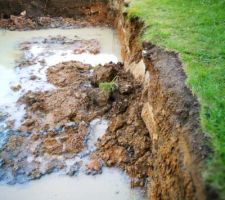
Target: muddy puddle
<point>51,117</point>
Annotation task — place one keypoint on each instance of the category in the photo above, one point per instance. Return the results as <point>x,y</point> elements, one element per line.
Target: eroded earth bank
<point>79,110</point>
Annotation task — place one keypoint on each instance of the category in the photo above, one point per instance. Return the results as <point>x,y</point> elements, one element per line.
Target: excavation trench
<point>87,111</point>
<point>53,114</point>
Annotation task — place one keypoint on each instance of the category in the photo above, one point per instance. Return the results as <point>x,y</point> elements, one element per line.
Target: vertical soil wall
<point>55,8</point>
<point>170,112</point>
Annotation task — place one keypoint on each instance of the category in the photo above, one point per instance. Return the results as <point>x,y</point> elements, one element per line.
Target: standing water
<point>15,81</point>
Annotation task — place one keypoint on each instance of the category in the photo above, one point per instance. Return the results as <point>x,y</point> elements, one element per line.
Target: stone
<point>99,97</point>
<point>93,167</point>
<point>16,88</point>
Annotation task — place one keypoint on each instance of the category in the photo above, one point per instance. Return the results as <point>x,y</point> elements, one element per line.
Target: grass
<point>195,29</point>
<point>107,86</point>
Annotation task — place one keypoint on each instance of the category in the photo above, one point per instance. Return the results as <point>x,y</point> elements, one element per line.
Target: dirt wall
<point>54,8</point>
<point>170,112</point>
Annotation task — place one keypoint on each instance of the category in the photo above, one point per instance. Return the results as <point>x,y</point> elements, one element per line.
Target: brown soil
<point>51,108</point>
<point>25,23</point>
<point>23,15</point>
<point>171,114</point>
<point>65,8</point>
<point>56,123</point>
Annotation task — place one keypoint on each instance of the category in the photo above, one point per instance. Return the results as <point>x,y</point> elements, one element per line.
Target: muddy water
<point>112,184</point>
<point>10,54</point>
<point>9,40</point>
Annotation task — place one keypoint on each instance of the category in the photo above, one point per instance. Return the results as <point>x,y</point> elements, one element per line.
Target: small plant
<point>108,86</point>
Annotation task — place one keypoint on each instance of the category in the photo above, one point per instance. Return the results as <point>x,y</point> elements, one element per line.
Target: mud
<point>80,9</point>
<point>154,133</point>
<point>22,23</point>
<point>25,17</point>
<point>56,123</point>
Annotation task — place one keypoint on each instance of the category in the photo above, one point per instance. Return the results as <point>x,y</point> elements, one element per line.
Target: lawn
<point>195,29</point>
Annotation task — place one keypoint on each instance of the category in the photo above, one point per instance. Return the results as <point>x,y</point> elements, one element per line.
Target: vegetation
<point>107,86</point>
<point>195,29</point>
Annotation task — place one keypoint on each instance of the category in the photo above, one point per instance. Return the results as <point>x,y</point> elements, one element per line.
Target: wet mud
<point>57,122</point>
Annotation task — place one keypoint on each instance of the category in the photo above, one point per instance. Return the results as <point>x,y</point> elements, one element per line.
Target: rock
<point>136,182</point>
<point>23,14</point>
<point>29,122</point>
<point>99,97</point>
<point>94,167</point>
<point>125,88</point>
<point>16,88</point>
<point>44,21</point>
<point>33,77</point>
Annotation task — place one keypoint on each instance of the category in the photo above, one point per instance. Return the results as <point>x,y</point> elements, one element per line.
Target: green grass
<point>107,86</point>
<point>195,29</point>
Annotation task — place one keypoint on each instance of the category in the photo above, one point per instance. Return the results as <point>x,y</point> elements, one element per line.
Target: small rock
<point>125,88</point>
<point>33,77</point>
<point>23,14</point>
<point>99,97</point>
<point>94,167</point>
<point>16,88</point>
